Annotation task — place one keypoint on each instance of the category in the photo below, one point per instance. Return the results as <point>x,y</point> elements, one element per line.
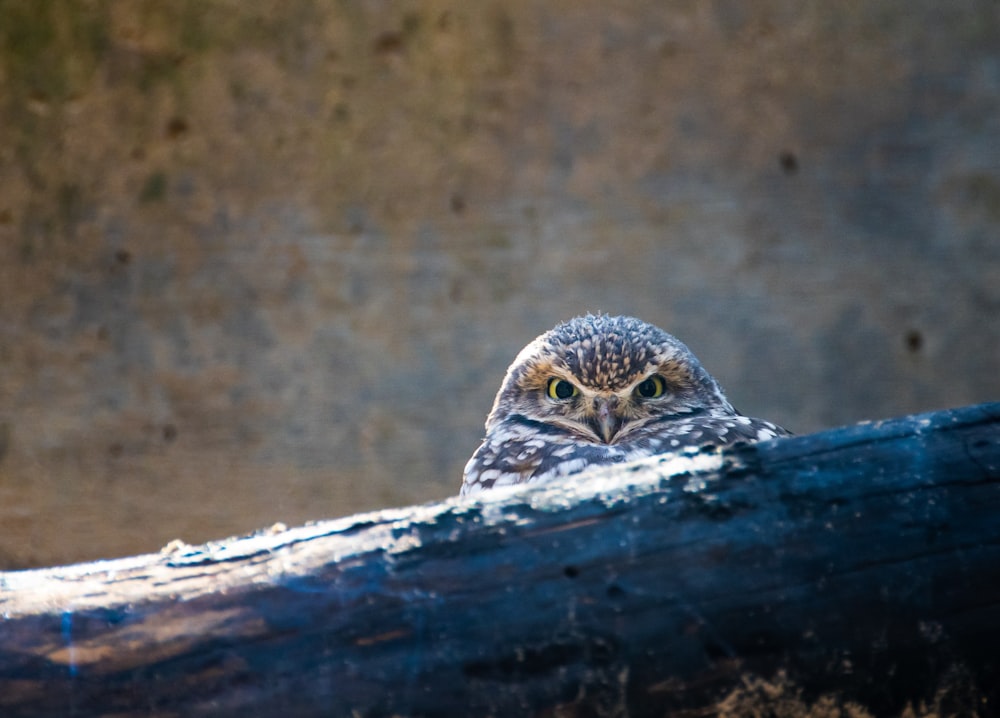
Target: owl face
<point>604,380</point>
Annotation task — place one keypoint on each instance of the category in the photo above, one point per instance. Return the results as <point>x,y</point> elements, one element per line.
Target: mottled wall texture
<point>267,261</point>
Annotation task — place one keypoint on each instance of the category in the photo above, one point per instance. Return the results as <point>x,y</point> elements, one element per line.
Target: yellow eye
<point>560,389</point>
<point>651,388</point>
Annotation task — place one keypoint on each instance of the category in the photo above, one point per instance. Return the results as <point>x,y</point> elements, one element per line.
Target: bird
<point>599,390</point>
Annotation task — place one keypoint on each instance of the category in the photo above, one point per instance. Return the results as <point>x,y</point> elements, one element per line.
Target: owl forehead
<point>607,353</point>
<point>605,361</point>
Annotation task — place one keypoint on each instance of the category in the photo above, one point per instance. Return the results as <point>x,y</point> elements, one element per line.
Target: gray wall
<point>267,261</point>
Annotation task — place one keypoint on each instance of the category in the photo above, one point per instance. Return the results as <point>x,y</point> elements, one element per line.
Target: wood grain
<point>855,567</point>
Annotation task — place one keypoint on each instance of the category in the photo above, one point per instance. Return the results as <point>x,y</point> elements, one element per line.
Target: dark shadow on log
<point>852,570</point>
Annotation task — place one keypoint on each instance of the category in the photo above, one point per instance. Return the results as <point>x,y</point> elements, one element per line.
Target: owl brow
<point>650,371</point>
<point>674,373</point>
<point>537,376</point>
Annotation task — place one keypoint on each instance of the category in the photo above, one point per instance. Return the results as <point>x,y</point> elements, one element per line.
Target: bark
<point>856,569</point>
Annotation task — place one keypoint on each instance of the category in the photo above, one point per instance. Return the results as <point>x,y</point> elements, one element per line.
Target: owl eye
<point>560,389</point>
<point>651,388</point>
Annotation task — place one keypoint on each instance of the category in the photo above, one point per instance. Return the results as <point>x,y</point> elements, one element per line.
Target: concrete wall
<point>267,261</point>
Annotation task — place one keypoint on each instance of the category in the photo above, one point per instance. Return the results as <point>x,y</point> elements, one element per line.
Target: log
<point>850,572</point>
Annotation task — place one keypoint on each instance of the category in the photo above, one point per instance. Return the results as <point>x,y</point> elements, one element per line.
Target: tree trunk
<point>854,571</point>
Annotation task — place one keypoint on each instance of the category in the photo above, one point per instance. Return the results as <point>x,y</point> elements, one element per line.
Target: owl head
<point>604,379</point>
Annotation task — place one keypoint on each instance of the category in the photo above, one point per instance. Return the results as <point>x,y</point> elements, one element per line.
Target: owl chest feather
<point>513,454</point>
<point>518,452</point>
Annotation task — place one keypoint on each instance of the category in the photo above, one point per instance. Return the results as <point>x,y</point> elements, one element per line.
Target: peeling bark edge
<point>858,566</point>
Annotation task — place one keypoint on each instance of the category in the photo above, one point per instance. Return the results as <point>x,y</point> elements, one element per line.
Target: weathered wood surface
<point>856,566</point>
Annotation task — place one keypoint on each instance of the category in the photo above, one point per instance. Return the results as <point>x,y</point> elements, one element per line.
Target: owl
<point>600,390</point>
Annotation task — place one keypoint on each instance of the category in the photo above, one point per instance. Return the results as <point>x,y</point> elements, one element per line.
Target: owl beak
<point>607,422</point>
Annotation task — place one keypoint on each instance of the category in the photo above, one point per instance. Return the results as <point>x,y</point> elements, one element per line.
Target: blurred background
<point>267,261</point>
